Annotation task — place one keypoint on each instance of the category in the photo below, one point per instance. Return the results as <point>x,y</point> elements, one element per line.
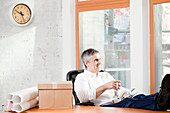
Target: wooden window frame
<point>152,64</point>
<point>91,5</point>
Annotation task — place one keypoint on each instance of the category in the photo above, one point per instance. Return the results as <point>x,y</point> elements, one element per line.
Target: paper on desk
<point>25,95</point>
<point>25,105</point>
<point>10,95</point>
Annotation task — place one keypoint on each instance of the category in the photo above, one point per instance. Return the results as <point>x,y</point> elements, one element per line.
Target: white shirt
<point>85,87</point>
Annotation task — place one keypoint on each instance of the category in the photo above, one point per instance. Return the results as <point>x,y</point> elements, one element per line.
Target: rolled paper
<point>25,105</point>
<point>10,95</point>
<point>9,105</point>
<point>25,95</point>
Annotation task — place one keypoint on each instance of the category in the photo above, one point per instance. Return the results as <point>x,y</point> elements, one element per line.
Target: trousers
<point>140,101</point>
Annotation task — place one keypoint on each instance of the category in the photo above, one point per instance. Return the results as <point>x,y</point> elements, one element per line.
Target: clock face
<point>21,13</point>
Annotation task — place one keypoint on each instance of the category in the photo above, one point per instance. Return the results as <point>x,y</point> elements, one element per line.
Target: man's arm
<point>108,85</point>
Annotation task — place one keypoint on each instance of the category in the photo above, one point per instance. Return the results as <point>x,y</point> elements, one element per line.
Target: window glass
<point>161,42</point>
<point>109,32</point>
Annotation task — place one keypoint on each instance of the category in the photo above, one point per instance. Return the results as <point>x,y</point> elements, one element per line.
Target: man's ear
<point>86,63</point>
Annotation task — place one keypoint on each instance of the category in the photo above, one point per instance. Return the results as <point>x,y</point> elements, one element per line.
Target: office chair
<point>71,76</point>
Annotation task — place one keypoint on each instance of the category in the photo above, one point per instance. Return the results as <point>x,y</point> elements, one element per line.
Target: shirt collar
<point>90,73</point>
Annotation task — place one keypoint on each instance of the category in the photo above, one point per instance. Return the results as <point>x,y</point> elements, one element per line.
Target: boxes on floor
<point>55,95</point>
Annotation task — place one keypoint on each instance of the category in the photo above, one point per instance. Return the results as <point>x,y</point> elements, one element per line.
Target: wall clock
<point>21,14</point>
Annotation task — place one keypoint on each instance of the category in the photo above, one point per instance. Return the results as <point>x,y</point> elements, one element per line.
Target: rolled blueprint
<point>24,95</point>
<point>9,105</point>
<point>25,105</point>
<point>10,95</point>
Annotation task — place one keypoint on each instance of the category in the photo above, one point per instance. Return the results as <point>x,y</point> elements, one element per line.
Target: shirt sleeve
<point>83,90</point>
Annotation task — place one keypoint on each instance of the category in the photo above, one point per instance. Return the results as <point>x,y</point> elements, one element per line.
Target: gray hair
<point>86,55</point>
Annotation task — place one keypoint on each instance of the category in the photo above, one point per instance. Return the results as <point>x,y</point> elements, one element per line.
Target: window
<point>160,42</point>
<point>105,26</point>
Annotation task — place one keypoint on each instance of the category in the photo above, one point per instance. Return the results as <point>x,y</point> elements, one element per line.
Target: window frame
<point>92,5</point>
<point>152,51</point>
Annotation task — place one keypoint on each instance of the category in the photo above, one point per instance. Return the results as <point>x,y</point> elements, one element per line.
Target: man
<point>92,85</point>
<point>102,89</point>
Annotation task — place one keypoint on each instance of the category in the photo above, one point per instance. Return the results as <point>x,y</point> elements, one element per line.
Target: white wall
<point>140,68</point>
<point>32,53</point>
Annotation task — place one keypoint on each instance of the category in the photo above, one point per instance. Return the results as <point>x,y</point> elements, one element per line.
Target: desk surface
<point>93,109</point>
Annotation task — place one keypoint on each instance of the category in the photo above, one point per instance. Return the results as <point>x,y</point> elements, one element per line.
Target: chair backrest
<point>71,76</point>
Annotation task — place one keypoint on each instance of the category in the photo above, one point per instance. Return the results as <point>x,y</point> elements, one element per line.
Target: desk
<point>93,109</point>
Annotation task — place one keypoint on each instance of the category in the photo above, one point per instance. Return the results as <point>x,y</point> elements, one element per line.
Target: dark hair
<point>86,55</point>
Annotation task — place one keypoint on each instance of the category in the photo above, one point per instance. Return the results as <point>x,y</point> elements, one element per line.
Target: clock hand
<point>17,11</point>
<point>23,18</point>
<point>20,13</point>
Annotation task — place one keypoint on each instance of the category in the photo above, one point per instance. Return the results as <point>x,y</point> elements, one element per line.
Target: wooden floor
<point>93,109</point>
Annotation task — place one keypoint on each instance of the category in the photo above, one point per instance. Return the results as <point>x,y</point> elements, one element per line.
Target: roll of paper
<point>9,105</point>
<point>25,105</point>
<point>24,95</point>
<point>10,95</point>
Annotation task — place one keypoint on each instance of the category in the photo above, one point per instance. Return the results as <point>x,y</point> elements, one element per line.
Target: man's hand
<point>113,85</point>
<point>109,85</point>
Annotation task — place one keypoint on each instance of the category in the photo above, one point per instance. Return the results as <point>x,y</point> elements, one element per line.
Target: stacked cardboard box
<point>55,95</point>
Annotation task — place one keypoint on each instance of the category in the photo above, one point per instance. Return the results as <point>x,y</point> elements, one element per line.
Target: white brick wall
<point>31,53</point>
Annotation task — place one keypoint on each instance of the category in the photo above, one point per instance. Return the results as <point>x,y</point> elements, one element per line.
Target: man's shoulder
<point>104,73</point>
<point>85,74</point>
<point>80,75</point>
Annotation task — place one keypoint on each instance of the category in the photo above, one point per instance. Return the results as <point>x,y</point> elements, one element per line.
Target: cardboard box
<point>55,95</point>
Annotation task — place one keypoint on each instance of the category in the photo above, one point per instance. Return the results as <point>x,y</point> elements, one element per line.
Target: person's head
<point>91,59</point>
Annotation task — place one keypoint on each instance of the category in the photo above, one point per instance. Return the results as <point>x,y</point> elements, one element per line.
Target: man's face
<point>94,64</point>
